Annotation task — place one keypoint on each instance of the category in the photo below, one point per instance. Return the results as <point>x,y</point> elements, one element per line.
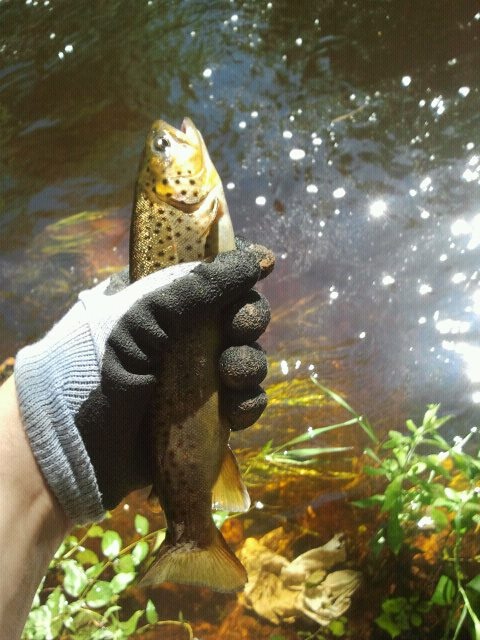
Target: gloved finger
<point>246,319</point>
<point>243,408</point>
<point>243,367</point>
<point>209,286</point>
<point>265,257</point>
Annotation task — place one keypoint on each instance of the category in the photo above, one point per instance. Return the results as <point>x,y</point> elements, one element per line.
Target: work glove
<point>85,388</point>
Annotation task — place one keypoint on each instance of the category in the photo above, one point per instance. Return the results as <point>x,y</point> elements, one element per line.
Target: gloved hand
<point>84,389</point>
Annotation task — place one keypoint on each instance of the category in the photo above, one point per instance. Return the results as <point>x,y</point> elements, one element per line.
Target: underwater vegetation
<point>413,500</point>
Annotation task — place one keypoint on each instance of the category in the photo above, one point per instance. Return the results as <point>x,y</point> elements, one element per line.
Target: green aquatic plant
<point>433,486</point>
<point>81,596</point>
<point>402,614</point>
<point>289,455</point>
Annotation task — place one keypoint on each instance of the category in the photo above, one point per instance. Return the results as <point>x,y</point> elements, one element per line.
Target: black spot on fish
<point>164,181</point>
<point>169,195</point>
<point>183,192</point>
<point>178,234</point>
<point>160,254</point>
<point>195,193</point>
<point>199,255</point>
<point>156,264</point>
<point>171,258</point>
<point>188,247</point>
<point>192,181</point>
<point>177,181</point>
<point>169,237</point>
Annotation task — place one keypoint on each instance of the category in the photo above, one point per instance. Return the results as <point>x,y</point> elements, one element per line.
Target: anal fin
<point>229,491</point>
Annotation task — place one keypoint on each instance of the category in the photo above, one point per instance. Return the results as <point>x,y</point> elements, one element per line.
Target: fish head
<point>175,167</point>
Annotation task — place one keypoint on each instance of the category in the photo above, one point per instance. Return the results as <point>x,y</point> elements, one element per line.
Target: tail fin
<point>214,566</point>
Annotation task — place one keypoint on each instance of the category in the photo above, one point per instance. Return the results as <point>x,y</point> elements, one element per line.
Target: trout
<point>181,215</point>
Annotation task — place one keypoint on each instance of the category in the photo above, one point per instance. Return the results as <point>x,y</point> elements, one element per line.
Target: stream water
<point>347,135</point>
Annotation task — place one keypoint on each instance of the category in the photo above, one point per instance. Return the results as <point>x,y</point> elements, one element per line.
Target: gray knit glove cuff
<point>53,377</point>
<point>56,375</point>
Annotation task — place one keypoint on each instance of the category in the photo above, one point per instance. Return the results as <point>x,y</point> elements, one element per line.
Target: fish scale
<point>180,215</point>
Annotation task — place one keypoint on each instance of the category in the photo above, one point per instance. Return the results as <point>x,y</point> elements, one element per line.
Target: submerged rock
<point>280,590</point>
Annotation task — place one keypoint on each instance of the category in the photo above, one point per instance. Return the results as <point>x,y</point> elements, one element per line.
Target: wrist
<point>32,522</point>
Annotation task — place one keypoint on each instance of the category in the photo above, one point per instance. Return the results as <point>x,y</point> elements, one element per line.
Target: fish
<point>180,215</point>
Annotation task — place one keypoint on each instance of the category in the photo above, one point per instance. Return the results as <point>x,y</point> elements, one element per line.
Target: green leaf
<point>387,624</point>
<point>363,423</point>
<point>371,501</point>
<point>130,626</point>
<point>87,556</point>
<point>416,619</point>
<point>337,628</point>
<point>394,605</point>
<point>84,619</point>
<point>440,518</point>
<point>151,613</point>
<point>111,544</point>
<point>124,564</point>
<point>140,552</point>
<point>38,625</point>
<point>474,584</point>
<point>95,531</point>
<point>141,525</point>
<point>411,426</point>
<point>395,439</point>
<point>394,533</point>
<point>111,610</point>
<point>312,433</point>
<point>99,595</point>
<point>393,493</point>
<point>75,579</point>
<point>445,592</point>
<point>220,517</point>
<point>303,455</point>
<point>373,471</point>
<point>95,570</point>
<point>121,581</point>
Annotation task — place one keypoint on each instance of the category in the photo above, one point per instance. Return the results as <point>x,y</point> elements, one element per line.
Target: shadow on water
<point>347,136</point>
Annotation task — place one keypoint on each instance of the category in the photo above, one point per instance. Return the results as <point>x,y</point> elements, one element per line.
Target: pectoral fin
<point>229,491</point>
<point>154,502</point>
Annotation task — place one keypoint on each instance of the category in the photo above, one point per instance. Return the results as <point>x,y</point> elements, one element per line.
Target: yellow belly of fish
<point>163,236</point>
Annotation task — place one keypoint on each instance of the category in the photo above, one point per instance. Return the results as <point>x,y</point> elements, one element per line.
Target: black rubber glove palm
<point>108,406</point>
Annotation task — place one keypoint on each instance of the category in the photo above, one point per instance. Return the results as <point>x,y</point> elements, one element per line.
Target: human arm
<point>93,374</point>
<point>32,523</point>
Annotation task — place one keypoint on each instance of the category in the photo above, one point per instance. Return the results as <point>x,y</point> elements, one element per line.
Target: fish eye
<point>160,143</point>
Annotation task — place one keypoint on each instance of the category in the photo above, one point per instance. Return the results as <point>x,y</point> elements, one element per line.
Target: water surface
<point>348,138</point>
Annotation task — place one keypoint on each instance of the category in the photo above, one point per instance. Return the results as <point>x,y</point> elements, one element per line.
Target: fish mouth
<point>190,131</point>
